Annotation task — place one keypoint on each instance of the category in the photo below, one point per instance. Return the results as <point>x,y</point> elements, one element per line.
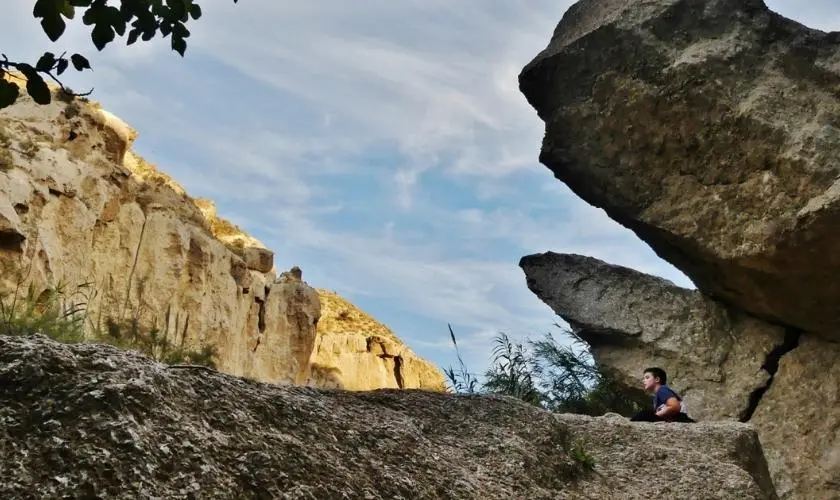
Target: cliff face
<point>354,351</point>
<point>80,209</point>
<point>96,421</point>
<point>711,128</point>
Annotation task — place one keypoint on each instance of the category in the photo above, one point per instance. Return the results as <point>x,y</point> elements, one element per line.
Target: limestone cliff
<point>92,421</point>
<point>711,128</point>
<point>79,208</point>
<point>354,351</point>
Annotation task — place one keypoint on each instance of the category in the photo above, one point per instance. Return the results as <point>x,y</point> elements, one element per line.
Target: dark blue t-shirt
<point>663,394</point>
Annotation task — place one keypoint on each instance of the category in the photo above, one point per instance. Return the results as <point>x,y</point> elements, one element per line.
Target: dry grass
<point>7,161</point>
<point>340,316</point>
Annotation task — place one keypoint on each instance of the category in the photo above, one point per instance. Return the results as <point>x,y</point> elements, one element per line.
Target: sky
<point>382,146</point>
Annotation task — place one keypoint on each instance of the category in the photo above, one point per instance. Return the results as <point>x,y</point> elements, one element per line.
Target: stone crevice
<point>11,240</point>
<point>260,314</point>
<point>398,371</point>
<point>134,263</point>
<point>771,366</point>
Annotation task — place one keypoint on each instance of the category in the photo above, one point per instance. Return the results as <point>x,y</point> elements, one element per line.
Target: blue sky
<point>382,146</point>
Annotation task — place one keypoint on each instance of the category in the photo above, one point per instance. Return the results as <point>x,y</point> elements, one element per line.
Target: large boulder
<point>727,364</point>
<point>94,421</point>
<point>711,128</point>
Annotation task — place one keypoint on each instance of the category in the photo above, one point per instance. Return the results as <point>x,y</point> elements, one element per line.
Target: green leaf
<point>101,35</point>
<point>49,11</point>
<point>79,62</point>
<point>8,92</point>
<point>45,62</point>
<point>132,36</point>
<point>67,9</point>
<point>53,26</point>
<point>179,45</point>
<point>195,11</point>
<point>62,66</point>
<point>36,87</point>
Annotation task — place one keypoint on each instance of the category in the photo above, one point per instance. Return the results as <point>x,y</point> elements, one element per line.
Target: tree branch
<point>5,64</point>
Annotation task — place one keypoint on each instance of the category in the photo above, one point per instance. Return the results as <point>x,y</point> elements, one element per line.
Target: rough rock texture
<point>713,355</point>
<point>354,351</point>
<point>799,421</point>
<point>87,420</point>
<point>78,206</point>
<point>727,364</point>
<point>711,128</point>
<point>85,209</point>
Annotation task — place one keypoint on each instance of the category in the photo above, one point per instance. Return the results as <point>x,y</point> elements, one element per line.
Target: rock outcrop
<point>354,351</point>
<point>715,355</point>
<point>91,420</point>
<point>727,364</point>
<point>79,208</point>
<point>711,128</point>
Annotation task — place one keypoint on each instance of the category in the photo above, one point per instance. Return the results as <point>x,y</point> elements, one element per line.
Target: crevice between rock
<point>12,241</point>
<point>134,266</point>
<point>771,366</point>
<point>398,371</point>
<point>260,314</point>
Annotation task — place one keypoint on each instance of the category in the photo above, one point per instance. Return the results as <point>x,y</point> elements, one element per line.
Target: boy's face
<point>649,381</point>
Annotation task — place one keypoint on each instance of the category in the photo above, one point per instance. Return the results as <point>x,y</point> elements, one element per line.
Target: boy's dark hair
<point>658,373</point>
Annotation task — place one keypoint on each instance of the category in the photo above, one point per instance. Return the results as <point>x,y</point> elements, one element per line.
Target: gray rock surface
<point>713,355</point>
<point>711,128</point>
<point>727,364</point>
<point>799,422</point>
<point>87,420</point>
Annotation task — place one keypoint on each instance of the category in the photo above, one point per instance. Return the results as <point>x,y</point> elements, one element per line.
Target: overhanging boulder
<point>711,128</point>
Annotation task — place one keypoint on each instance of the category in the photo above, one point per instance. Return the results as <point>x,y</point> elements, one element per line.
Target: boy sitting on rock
<point>668,406</point>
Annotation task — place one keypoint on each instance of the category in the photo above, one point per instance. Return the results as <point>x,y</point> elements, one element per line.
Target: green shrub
<point>559,378</point>
<point>63,317</point>
<point>47,312</point>
<point>151,341</point>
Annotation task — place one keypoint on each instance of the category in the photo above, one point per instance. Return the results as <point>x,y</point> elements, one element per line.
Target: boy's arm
<point>670,408</point>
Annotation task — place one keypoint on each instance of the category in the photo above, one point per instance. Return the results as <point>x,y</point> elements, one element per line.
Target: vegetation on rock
<point>62,315</point>
<point>556,377</point>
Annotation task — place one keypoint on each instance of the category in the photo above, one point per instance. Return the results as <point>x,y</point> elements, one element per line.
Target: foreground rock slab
<point>711,128</point>
<point>94,420</point>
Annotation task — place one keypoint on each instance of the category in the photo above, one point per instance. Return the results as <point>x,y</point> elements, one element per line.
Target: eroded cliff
<point>355,351</point>
<point>79,208</point>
